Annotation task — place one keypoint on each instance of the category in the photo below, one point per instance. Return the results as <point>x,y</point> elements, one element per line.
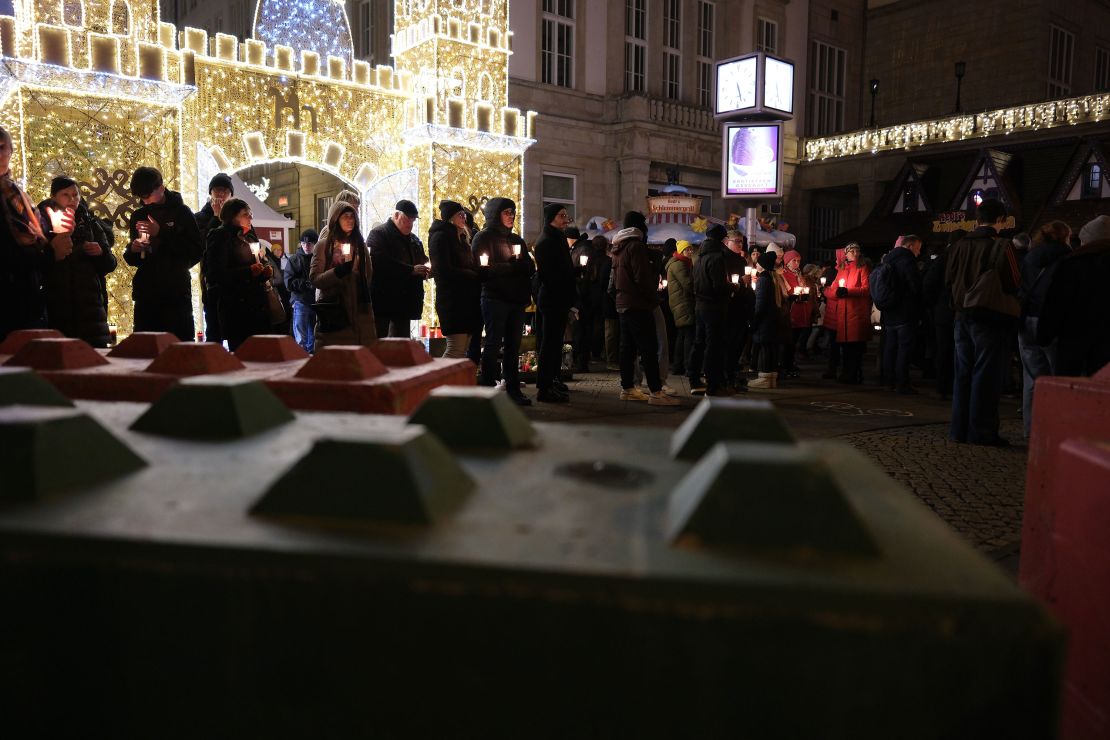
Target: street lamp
<point>961,67</point>
<point>874,92</point>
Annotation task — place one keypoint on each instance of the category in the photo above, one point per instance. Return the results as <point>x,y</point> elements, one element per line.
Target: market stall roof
<point>263,214</point>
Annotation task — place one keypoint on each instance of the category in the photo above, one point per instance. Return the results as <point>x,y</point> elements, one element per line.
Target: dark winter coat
<point>604,275</point>
<point>510,278</point>
<point>935,293</point>
<point>555,271</point>
<point>162,276</point>
<point>1037,271</point>
<point>741,301</point>
<point>907,309</point>
<point>635,276</point>
<point>767,313</point>
<point>588,292</point>
<point>341,284</point>
<point>680,290</point>
<point>398,294</point>
<point>206,219</point>
<point>710,279</point>
<point>76,297</point>
<point>971,257</point>
<point>1076,312</point>
<point>241,296</point>
<point>458,280</point>
<point>297,279</point>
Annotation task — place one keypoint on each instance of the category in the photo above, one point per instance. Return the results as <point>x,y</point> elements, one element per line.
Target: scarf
<point>20,214</point>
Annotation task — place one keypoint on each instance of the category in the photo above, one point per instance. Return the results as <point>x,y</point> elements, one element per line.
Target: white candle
<point>516,250</point>
<point>735,278</point>
<point>255,248</point>
<point>797,290</point>
<point>823,281</point>
<point>805,290</point>
<point>483,260</point>
<point>346,250</point>
<point>58,220</point>
<point>664,283</point>
<point>843,283</point>
<point>749,270</point>
<point>583,260</point>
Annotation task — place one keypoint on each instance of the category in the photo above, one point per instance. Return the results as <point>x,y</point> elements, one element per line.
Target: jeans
<point>1035,362</point>
<point>708,354</point>
<point>612,341</point>
<point>638,337</point>
<point>683,345</point>
<point>551,347</point>
<point>504,323</point>
<point>896,355</point>
<point>981,351</point>
<point>304,321</point>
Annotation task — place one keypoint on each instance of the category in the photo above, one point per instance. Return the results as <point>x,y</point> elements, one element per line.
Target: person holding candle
<point>220,190</point>
<point>766,323</point>
<point>505,294</point>
<point>588,296</point>
<point>344,309</point>
<point>741,303</point>
<point>711,296</point>
<point>76,297</point>
<point>238,274</point>
<point>458,278</point>
<point>900,319</point>
<point>852,315</point>
<point>26,254</point>
<point>801,311</point>
<point>400,269</point>
<point>680,296</point>
<point>557,291</point>
<point>165,245</point>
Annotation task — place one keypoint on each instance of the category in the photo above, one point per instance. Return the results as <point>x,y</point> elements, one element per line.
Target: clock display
<point>736,82</point>
<point>778,85</point>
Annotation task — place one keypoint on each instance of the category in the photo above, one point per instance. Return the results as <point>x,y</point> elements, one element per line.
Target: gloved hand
<point>841,292</point>
<point>344,269</point>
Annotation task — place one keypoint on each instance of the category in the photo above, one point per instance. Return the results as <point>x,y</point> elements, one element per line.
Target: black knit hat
<point>767,261</point>
<point>221,180</point>
<point>448,209</point>
<point>636,220</point>
<point>716,231</point>
<point>145,181</point>
<point>551,210</point>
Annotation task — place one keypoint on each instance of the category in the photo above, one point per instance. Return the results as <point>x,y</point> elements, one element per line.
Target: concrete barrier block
<point>190,358</point>
<point>144,345</point>
<point>18,338</point>
<point>342,363</point>
<point>214,407</point>
<point>57,354</point>
<point>270,348</point>
<point>24,387</point>
<point>475,418</point>
<point>724,420</point>
<point>401,352</point>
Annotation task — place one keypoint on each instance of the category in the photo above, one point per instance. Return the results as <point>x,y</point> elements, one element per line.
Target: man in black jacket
<point>900,319</point>
<point>400,269</point>
<point>741,302</point>
<point>710,304</point>
<point>302,294</point>
<point>220,190</point>
<point>165,244</point>
<point>557,293</point>
<point>505,295</point>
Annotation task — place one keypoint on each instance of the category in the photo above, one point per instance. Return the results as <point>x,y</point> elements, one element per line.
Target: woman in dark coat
<point>239,274</point>
<point>458,279</point>
<point>767,322</point>
<point>76,297</point>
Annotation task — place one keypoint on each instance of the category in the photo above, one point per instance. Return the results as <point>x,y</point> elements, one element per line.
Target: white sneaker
<point>669,391</point>
<point>659,398</point>
<point>633,394</point>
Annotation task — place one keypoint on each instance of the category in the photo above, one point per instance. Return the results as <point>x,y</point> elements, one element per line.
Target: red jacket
<point>801,312</point>
<point>852,313</point>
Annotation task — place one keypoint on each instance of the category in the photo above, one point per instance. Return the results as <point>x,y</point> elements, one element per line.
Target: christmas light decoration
<point>1004,121</point>
<point>93,90</point>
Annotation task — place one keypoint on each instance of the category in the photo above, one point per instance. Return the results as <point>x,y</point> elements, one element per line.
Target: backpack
<point>884,286</point>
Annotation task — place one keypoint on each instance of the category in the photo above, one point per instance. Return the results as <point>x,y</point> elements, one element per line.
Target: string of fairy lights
<point>94,91</point>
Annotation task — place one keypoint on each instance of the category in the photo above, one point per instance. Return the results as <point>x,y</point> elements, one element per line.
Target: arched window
<point>121,18</point>
<point>485,86</point>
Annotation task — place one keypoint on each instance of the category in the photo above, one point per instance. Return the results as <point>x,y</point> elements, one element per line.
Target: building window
<point>1102,69</point>
<point>635,45</point>
<point>557,55</point>
<point>706,19</point>
<point>827,67</point>
<point>365,32</point>
<point>1060,51</point>
<point>1092,181</point>
<point>561,189</point>
<point>766,36</point>
<point>909,197</point>
<point>825,223</point>
<point>323,205</point>
<point>672,43</point>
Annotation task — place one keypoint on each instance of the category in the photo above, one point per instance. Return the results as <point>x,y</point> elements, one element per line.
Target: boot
<point>764,381</point>
<point>774,380</point>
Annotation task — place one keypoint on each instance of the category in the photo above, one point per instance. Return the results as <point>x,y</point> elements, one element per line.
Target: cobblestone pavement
<point>979,491</point>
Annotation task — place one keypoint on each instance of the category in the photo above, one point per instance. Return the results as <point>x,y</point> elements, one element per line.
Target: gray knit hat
<point>1095,230</point>
<point>627,233</point>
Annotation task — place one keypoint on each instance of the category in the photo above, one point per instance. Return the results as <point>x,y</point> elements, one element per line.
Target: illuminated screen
<point>778,88</point>
<point>752,159</point>
<point>736,85</point>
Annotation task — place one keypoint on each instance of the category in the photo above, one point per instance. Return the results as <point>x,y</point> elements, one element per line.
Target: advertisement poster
<point>752,166</point>
<point>778,86</point>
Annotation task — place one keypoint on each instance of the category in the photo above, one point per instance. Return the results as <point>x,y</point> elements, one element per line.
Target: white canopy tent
<point>270,225</point>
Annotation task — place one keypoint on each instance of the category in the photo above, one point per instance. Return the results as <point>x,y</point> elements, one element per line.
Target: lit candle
<point>61,222</point>
<point>843,283</point>
<point>664,283</point>
<point>255,249</point>
<point>805,290</point>
<point>483,260</point>
<point>749,271</point>
<point>735,278</point>
<point>797,290</point>
<point>583,260</point>
<point>823,281</point>
<point>516,250</point>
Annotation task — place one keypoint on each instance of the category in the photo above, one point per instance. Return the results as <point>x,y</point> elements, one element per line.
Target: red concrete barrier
<point>190,358</point>
<point>401,352</point>
<point>57,354</point>
<point>1065,551</point>
<point>270,348</point>
<point>349,363</point>
<point>15,340</point>
<point>144,345</point>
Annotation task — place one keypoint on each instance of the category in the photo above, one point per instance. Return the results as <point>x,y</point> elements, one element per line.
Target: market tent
<point>270,225</point>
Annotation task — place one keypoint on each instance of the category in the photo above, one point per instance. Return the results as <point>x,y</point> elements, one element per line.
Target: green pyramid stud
<point>765,497</point>
<point>401,476</point>
<point>46,451</point>
<point>214,407</point>
<point>724,420</point>
<point>474,418</point>
<point>23,386</point>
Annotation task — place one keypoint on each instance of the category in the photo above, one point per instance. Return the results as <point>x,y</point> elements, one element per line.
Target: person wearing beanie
<point>302,293</point>
<point>165,244</point>
<point>711,296</point>
<point>635,279</point>
<point>557,291</point>
<point>588,297</point>
<point>738,312</point>
<point>901,318</point>
<point>680,297</point>
<point>458,280</point>
<point>636,220</point>
<point>506,292</point>
<point>799,309</point>
<point>73,281</point>
<point>1075,314</point>
<point>400,269</point>
<point>220,190</point>
<point>769,302</point>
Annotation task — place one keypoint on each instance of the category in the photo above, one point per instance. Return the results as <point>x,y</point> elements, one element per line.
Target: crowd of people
<point>730,318</point>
